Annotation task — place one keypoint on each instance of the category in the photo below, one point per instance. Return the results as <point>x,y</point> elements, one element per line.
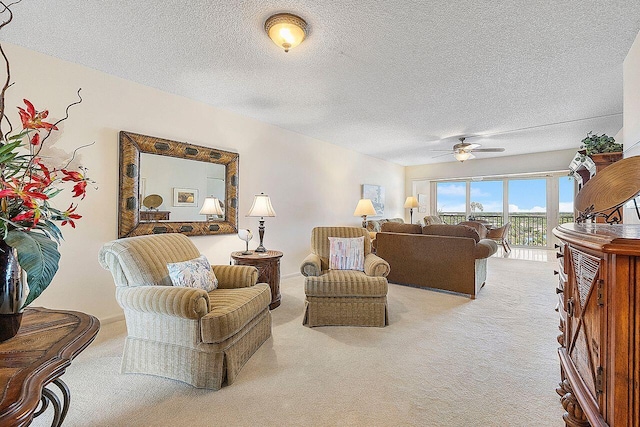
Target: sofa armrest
<point>188,303</point>
<point>485,248</point>
<point>235,276</point>
<point>311,266</point>
<point>376,266</point>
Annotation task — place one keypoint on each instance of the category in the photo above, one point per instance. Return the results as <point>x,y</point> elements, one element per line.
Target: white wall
<point>310,182</point>
<point>631,112</point>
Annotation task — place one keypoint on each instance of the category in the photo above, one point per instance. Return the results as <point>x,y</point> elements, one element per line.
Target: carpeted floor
<point>444,360</point>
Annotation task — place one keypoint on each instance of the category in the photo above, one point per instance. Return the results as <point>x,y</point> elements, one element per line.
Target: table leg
<point>49,397</point>
<point>55,402</point>
<point>66,395</point>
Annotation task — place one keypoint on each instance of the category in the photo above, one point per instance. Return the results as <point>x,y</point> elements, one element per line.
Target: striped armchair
<point>186,334</point>
<point>343,297</point>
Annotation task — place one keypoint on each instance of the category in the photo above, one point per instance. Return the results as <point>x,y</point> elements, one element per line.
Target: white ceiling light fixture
<point>286,30</point>
<point>462,155</point>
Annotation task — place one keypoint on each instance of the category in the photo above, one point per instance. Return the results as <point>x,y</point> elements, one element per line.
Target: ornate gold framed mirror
<point>183,175</point>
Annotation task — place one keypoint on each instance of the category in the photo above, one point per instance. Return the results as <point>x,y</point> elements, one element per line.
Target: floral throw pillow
<point>195,273</point>
<point>346,253</point>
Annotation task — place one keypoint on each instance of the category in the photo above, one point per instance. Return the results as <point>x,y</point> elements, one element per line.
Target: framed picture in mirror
<point>185,197</point>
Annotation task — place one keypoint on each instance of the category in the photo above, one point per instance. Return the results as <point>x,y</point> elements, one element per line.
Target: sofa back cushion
<point>451,231</point>
<point>395,227</point>
<point>432,219</point>
<point>374,225</point>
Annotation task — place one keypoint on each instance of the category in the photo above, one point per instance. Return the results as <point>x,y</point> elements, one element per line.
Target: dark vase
<point>12,292</point>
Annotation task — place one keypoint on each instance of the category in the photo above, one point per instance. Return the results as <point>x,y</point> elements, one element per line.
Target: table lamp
<point>411,203</point>
<point>261,207</point>
<point>211,207</point>
<point>364,208</point>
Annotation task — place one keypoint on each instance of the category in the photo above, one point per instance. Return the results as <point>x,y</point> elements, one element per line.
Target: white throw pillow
<point>346,253</point>
<point>195,273</point>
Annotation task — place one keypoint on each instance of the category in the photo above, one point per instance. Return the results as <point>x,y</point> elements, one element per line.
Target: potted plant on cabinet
<point>602,149</point>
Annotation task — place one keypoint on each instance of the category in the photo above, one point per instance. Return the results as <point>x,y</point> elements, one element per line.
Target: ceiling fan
<point>463,150</point>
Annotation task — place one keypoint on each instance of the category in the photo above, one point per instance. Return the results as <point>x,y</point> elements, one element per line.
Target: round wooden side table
<point>268,265</point>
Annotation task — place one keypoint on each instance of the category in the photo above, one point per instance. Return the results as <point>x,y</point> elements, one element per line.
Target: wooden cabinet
<point>599,286</point>
<point>154,215</point>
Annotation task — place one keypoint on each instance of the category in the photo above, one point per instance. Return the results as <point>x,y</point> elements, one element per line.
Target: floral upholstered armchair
<point>184,333</point>
<point>336,296</point>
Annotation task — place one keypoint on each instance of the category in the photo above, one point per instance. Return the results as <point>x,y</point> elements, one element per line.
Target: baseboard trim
<point>112,319</point>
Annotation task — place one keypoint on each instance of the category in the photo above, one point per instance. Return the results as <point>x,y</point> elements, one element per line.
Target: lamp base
<point>261,248</point>
<point>246,252</point>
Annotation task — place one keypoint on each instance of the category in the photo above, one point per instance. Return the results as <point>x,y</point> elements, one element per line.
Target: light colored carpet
<point>444,360</point>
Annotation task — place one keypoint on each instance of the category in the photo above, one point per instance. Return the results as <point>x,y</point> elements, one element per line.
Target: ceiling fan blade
<point>472,147</point>
<point>443,151</point>
<point>471,156</point>
<point>489,150</point>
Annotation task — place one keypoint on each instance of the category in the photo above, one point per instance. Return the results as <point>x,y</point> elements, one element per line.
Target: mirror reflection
<point>182,186</point>
<point>175,187</point>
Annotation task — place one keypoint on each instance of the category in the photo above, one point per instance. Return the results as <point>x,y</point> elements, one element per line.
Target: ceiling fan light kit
<point>463,150</point>
<point>286,30</point>
<point>462,155</point>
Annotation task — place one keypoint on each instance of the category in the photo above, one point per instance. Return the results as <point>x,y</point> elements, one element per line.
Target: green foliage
<point>596,144</point>
<point>38,255</point>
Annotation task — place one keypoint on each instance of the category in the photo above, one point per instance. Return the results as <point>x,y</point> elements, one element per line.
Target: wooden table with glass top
<point>268,265</point>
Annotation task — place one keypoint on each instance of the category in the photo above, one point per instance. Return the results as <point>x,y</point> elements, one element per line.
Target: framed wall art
<point>185,197</point>
<point>376,194</point>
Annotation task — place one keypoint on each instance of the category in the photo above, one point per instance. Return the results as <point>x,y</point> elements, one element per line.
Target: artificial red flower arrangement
<point>28,182</point>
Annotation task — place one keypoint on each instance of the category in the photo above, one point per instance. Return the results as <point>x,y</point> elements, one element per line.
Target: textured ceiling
<point>392,79</point>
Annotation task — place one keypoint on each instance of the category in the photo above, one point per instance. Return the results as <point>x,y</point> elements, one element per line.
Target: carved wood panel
<point>586,317</point>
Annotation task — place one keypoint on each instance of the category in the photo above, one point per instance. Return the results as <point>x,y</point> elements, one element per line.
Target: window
<point>528,212</point>
<point>487,201</point>
<point>533,205</point>
<point>452,201</point>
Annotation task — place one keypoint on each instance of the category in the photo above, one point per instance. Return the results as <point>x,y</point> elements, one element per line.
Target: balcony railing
<point>527,229</point>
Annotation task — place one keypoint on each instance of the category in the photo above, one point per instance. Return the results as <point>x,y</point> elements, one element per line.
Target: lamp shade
<point>286,30</point>
<point>261,206</point>
<point>211,206</point>
<point>364,207</point>
<point>411,202</point>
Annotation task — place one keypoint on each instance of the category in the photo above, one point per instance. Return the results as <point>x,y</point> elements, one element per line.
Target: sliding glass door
<point>528,212</point>
<point>452,201</point>
<point>533,205</point>
<point>487,202</point>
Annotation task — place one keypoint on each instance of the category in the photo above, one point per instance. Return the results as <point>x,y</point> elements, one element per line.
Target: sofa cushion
<point>396,227</point>
<point>231,309</point>
<point>346,253</point>
<point>345,283</point>
<point>451,231</point>
<point>432,219</point>
<point>374,225</point>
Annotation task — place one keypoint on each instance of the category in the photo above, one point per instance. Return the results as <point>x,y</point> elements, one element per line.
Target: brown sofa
<point>440,256</point>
